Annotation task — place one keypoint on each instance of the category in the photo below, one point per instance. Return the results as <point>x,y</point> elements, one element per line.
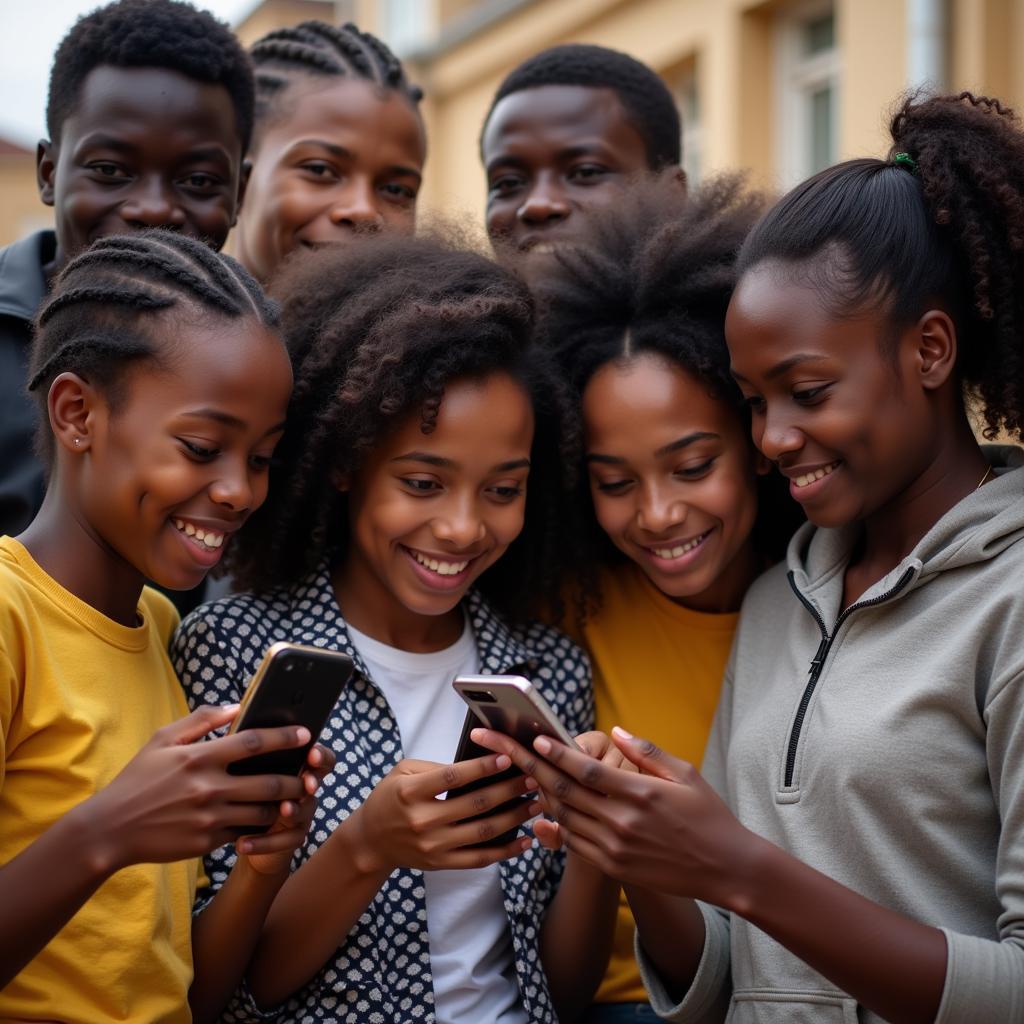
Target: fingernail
<point>503,761</point>
<point>622,732</point>
<point>302,735</point>
<point>245,846</point>
<point>230,707</point>
<point>542,745</point>
<point>526,844</point>
<point>532,783</point>
<point>476,735</point>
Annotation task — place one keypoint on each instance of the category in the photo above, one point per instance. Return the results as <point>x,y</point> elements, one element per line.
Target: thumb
<point>651,758</point>
<point>203,720</point>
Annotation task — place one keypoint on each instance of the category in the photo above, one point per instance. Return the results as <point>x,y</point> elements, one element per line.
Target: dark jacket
<point>22,290</point>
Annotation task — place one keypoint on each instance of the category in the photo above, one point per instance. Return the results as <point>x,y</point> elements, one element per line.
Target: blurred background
<point>781,87</point>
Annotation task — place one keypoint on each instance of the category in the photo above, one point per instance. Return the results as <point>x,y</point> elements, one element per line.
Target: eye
<point>588,174</point>
<point>319,169</point>
<point>420,485</point>
<point>507,493</point>
<point>506,184</point>
<point>612,486</point>
<point>755,403</point>
<point>105,169</point>
<point>261,463</point>
<point>200,181</point>
<point>695,472</point>
<point>810,396</point>
<point>199,452</point>
<point>399,193</point>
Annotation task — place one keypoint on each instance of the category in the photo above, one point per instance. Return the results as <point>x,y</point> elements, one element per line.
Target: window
<point>808,91</point>
<point>409,25</point>
<point>686,93</point>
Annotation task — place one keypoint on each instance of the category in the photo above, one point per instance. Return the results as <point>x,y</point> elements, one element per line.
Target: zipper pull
<point>819,657</point>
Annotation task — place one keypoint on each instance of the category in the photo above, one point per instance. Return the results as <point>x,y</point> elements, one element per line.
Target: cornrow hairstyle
<point>151,33</point>
<point>101,317</point>
<point>942,218</point>
<point>643,95</point>
<point>316,48</point>
<point>653,276</point>
<point>377,332</point>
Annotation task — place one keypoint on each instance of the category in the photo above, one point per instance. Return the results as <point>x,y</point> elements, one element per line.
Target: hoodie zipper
<point>818,661</point>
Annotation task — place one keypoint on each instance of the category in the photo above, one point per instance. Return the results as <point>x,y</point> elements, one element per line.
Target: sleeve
<point>985,977</point>
<point>707,1000</point>
<point>9,695</point>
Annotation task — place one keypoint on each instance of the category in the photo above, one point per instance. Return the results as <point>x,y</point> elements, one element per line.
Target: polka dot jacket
<point>381,972</point>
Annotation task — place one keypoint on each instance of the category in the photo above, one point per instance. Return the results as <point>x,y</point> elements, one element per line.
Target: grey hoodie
<point>903,775</point>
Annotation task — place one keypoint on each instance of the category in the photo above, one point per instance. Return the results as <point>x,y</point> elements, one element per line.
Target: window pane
<point>821,148</point>
<point>819,34</point>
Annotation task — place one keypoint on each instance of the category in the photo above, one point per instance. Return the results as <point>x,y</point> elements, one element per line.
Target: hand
<point>175,799</point>
<point>271,853</point>
<point>596,744</point>
<point>663,829</point>
<point>403,824</point>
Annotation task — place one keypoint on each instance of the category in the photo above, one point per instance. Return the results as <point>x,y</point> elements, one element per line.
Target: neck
<point>954,469</point>
<point>727,592</point>
<point>371,608</point>
<point>66,547</point>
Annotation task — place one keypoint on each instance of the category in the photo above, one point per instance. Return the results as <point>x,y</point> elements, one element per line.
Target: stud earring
<point>78,440</point>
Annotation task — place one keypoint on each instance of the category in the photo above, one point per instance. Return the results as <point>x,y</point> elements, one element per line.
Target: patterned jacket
<point>381,972</point>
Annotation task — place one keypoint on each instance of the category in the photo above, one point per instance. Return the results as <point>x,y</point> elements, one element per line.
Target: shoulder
<point>22,280</point>
<point>160,612</point>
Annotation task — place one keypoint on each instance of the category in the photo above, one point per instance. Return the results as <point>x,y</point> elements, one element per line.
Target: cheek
<point>398,218</point>
<point>505,522</point>
<point>612,514</point>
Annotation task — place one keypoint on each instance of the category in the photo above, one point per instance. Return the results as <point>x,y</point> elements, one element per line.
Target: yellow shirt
<point>80,694</point>
<point>658,669</point>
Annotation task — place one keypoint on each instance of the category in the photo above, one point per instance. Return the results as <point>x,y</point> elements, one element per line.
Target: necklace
<point>988,470</point>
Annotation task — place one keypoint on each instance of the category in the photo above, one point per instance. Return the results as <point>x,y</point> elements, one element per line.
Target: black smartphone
<point>511,705</point>
<point>294,685</point>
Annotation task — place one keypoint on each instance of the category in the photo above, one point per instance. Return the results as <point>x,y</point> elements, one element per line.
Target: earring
<point>78,441</point>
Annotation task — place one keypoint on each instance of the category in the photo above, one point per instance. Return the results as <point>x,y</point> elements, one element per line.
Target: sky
<point>29,33</point>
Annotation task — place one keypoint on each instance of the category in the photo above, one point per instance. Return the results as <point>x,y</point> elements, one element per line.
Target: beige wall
<point>21,212</point>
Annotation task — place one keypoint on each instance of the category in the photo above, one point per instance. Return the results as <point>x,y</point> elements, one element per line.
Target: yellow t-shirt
<point>80,694</point>
<point>658,670</point>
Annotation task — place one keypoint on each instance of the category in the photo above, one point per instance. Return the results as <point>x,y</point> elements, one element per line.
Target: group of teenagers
<point>704,469</point>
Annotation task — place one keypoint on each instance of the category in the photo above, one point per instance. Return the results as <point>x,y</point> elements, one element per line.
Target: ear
<point>244,174</point>
<point>72,404</point>
<point>46,170</point>
<point>935,356</point>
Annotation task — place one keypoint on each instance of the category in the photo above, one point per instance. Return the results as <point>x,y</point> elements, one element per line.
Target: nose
<point>235,489</point>
<point>153,204</point>
<point>544,204</point>
<point>660,509</point>
<point>775,434</point>
<point>354,206</point>
<point>459,525</point>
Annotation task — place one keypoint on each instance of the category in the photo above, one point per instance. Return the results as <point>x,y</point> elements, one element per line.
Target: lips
<point>440,572</point>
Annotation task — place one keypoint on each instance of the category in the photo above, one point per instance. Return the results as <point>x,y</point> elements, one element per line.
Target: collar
<point>22,282</point>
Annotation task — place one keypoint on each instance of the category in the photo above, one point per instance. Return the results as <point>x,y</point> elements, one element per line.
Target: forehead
<point>654,401</point>
<point>154,107</point>
<point>555,117</point>
<point>351,112</point>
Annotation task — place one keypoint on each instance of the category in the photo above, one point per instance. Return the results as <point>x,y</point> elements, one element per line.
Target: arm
<point>401,824</point>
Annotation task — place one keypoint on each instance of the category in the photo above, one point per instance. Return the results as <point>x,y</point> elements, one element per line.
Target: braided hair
<point>644,96</point>
<point>653,276</point>
<point>941,218</point>
<point>99,318</point>
<point>151,33</point>
<point>376,333</point>
<point>317,48</point>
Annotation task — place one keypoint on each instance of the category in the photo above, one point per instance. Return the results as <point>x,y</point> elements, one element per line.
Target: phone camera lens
<point>288,666</point>
<point>481,696</point>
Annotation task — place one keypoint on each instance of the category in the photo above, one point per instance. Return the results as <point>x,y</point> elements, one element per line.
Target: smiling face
<point>850,426</point>
<point>428,513</point>
<point>144,148</point>
<point>672,477</point>
<point>552,154</point>
<point>333,160</point>
<point>175,467</point>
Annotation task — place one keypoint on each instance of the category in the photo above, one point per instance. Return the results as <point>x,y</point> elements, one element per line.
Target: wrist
<point>354,842</point>
<point>98,843</point>
<point>753,874</point>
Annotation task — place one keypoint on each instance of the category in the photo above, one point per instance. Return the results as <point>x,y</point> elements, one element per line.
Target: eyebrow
<point>443,463</point>
<point>228,420</point>
<point>511,160</point>
<point>667,449</point>
<point>346,154</point>
<point>785,366</point>
<point>101,141</point>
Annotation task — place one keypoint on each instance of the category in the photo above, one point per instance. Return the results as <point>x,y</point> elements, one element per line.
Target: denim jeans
<point>620,1013</point>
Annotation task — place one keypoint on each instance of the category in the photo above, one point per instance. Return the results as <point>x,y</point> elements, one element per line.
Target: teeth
<point>208,538</point>
<point>809,478</point>
<point>680,550</point>
<point>441,568</point>
<point>543,247</point>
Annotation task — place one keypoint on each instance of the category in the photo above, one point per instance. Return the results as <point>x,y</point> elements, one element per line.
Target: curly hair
<point>151,33</point>
<point>643,95</point>
<point>942,217</point>
<point>376,333</point>
<point>319,49</point>
<point>655,275</point>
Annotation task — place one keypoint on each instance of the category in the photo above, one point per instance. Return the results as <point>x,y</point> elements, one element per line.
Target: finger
<point>483,856</point>
<point>321,758</point>
<point>250,742</point>
<point>453,776</point>
<point>651,758</point>
<point>488,828</point>
<point>588,850</point>
<point>594,743</point>
<point>261,788</point>
<point>480,801</point>
<point>273,842</point>
<point>554,783</point>
<point>202,721</point>
<point>549,834</point>
<point>586,770</point>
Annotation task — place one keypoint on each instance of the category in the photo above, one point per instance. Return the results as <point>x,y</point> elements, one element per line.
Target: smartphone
<point>294,685</point>
<point>511,705</point>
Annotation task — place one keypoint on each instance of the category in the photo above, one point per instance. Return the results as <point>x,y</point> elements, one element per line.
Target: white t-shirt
<point>471,953</point>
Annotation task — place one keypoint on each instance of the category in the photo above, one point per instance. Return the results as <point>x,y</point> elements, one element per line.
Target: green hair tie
<point>905,160</point>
